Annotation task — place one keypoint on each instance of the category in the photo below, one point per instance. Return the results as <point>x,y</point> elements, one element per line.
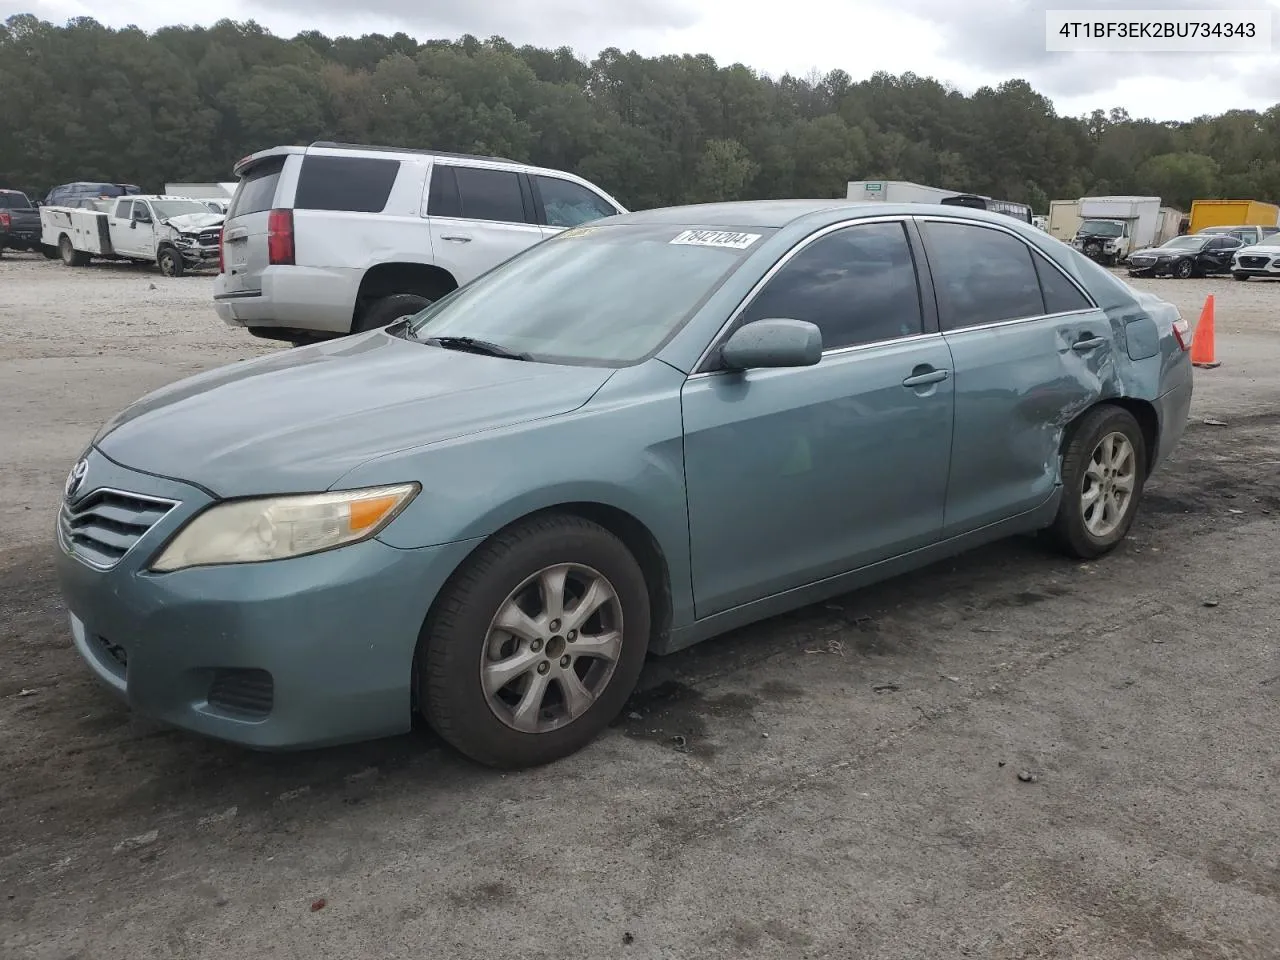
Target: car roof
<point>776,214</point>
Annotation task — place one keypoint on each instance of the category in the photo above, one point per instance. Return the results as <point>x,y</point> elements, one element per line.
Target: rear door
<point>1030,351</point>
<point>479,216</point>
<point>1219,251</point>
<point>561,203</point>
<point>244,232</point>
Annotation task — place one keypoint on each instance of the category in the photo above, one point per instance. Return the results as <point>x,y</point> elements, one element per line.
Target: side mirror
<point>773,343</point>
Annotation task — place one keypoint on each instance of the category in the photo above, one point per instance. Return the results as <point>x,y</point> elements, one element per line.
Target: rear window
<point>357,184</point>
<point>256,191</point>
<point>14,201</point>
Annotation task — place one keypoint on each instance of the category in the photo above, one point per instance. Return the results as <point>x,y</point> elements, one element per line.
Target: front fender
<point>624,449</point>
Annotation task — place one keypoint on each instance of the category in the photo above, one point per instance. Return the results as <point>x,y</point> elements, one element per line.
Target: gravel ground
<point>849,784</point>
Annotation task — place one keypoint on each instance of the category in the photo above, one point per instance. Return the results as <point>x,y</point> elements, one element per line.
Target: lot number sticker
<point>717,238</point>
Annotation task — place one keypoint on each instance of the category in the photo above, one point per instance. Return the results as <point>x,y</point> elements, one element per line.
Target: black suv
<point>83,193</point>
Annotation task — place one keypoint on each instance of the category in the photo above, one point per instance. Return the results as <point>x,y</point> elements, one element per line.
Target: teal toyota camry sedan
<point>633,436</point>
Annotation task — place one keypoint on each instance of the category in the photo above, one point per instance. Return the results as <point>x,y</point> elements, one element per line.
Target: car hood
<point>1159,252</point>
<point>1268,249</point>
<point>299,419</point>
<point>195,221</point>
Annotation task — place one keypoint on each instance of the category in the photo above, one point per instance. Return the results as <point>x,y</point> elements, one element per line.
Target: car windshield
<point>177,208</point>
<point>1184,243</point>
<point>1102,228</point>
<point>593,295</point>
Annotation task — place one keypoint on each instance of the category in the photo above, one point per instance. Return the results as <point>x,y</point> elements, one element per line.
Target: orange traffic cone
<point>1202,347</point>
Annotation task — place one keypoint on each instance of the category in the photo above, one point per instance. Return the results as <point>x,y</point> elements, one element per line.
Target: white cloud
<point>964,42</point>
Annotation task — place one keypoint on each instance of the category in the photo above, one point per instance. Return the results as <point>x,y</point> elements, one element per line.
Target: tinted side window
<point>858,285</point>
<point>980,275</point>
<point>568,204</point>
<point>256,191</point>
<point>124,210</point>
<point>359,184</point>
<point>1060,294</point>
<point>442,195</point>
<point>490,194</point>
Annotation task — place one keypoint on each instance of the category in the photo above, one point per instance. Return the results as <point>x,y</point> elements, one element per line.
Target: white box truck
<point>1111,228</point>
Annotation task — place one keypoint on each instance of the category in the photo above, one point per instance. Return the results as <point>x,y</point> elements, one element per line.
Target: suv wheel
<point>1102,475</point>
<point>389,310</point>
<point>535,644</point>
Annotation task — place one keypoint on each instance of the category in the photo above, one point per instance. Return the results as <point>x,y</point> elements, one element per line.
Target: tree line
<point>86,102</point>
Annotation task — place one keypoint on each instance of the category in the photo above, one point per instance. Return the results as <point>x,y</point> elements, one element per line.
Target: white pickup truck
<point>176,233</point>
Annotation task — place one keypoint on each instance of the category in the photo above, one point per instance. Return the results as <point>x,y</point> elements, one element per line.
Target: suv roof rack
<point>430,153</point>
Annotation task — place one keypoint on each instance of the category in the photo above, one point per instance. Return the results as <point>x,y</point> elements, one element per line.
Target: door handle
<point>456,239</point>
<point>1089,343</point>
<point>926,378</point>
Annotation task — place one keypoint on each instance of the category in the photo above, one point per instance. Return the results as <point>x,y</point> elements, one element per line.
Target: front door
<point>1030,353</point>
<point>796,475</point>
<point>120,227</point>
<point>479,218</point>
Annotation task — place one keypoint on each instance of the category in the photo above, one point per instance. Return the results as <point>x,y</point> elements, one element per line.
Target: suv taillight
<point>280,238</point>
<point>222,262</point>
<point>5,220</point>
<point>1182,333</point>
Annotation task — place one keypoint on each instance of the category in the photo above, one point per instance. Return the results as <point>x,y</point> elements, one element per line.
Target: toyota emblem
<point>75,478</point>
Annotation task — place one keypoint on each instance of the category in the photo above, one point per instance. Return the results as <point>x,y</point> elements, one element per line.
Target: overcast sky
<point>964,42</point>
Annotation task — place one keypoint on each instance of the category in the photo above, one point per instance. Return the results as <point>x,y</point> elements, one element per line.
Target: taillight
<point>222,264</point>
<point>280,238</point>
<point>1182,333</point>
<point>5,219</point>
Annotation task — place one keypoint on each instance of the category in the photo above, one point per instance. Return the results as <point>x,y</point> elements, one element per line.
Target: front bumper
<point>295,653</point>
<point>1257,266</point>
<point>1153,269</point>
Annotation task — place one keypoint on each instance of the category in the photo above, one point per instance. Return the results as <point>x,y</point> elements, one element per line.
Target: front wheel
<point>1240,276</point>
<point>535,643</point>
<point>170,262</point>
<point>1184,270</point>
<point>1103,470</point>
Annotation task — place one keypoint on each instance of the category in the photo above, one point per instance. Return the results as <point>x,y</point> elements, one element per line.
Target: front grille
<point>246,693</point>
<point>1142,261</point>
<point>104,525</point>
<point>209,238</point>
<point>1254,263</point>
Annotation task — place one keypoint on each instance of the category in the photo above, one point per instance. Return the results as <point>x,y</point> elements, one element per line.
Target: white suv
<point>331,239</point>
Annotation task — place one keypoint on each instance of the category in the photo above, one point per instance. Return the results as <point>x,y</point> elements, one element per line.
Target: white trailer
<point>896,191</point>
<point>176,233</point>
<point>1064,219</point>
<point>1111,228</point>
<point>1170,222</point>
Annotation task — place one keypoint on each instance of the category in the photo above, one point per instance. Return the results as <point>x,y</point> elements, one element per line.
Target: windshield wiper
<point>472,345</point>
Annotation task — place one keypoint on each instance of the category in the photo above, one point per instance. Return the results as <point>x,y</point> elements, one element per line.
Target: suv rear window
<point>357,184</point>
<point>257,188</point>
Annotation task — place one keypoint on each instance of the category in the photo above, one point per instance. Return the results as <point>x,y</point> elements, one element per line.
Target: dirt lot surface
<point>1006,756</point>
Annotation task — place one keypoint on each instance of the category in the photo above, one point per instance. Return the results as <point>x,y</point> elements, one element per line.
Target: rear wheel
<point>70,255</point>
<point>388,310</point>
<point>534,645</point>
<point>1103,470</point>
<point>50,253</point>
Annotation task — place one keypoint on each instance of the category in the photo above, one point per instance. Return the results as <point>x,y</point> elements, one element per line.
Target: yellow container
<point>1232,213</point>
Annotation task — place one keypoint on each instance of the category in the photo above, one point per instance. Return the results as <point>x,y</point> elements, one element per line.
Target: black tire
<point>1093,250</point>
<point>388,310</point>
<point>1184,270</point>
<point>450,650</point>
<point>70,255</point>
<point>170,262</point>
<point>1069,532</point>
<point>50,253</point>
<point>1240,276</point>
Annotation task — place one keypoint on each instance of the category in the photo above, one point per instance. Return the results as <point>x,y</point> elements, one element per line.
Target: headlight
<point>273,528</point>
